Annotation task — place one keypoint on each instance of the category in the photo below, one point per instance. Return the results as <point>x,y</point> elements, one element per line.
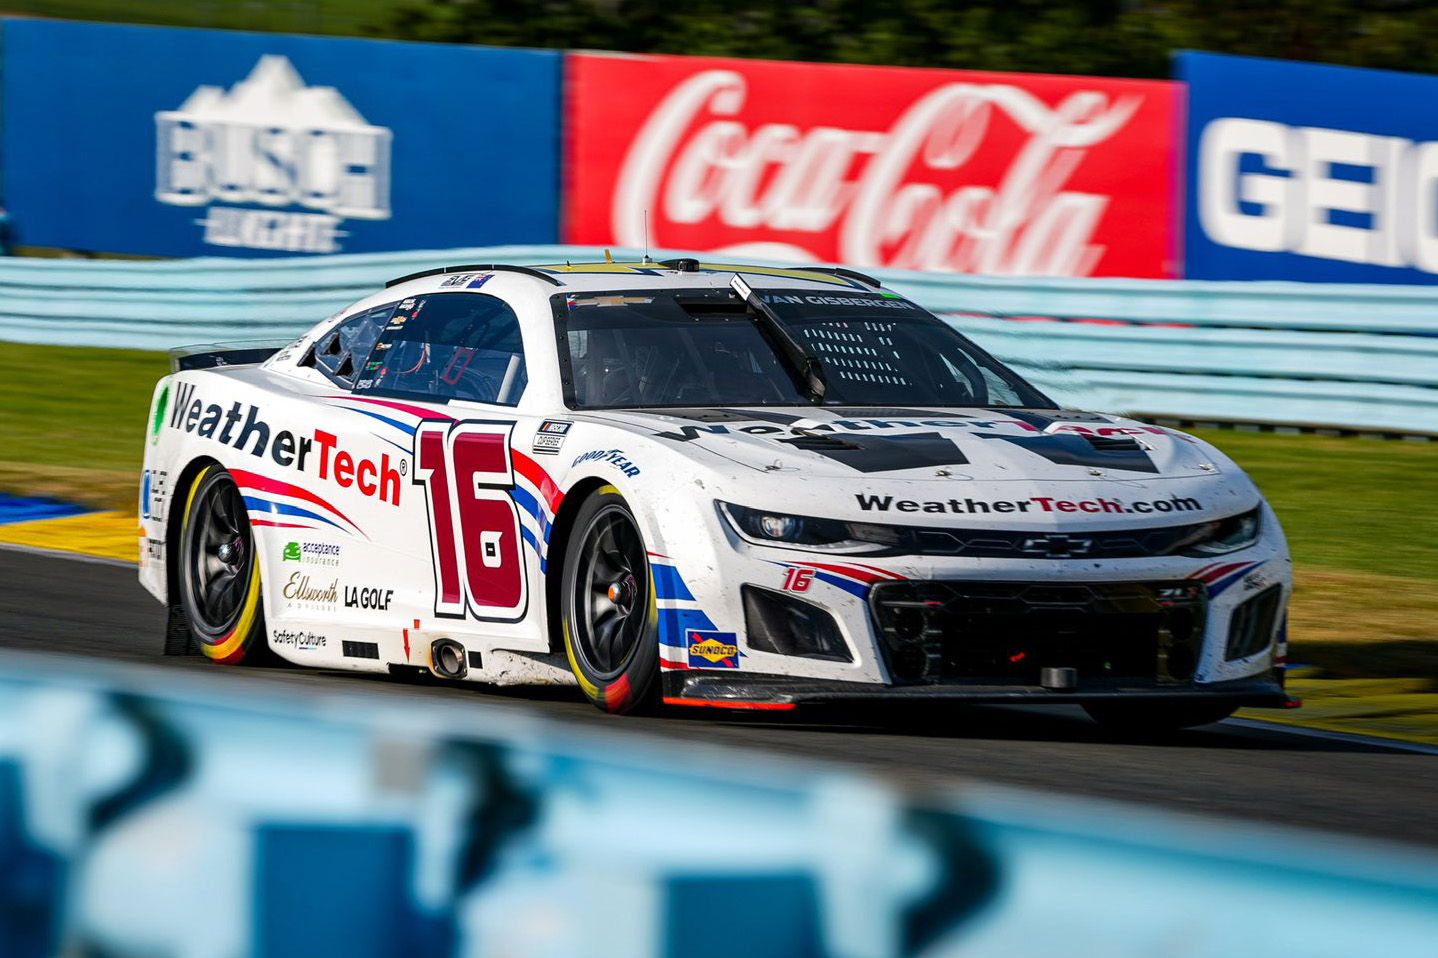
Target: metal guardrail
<point>141,815</point>
<point>1349,357</point>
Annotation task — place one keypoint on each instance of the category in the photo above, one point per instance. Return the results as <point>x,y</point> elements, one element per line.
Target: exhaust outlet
<point>1059,680</point>
<point>447,659</point>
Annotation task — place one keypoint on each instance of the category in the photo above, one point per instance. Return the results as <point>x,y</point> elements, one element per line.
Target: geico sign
<point>1334,194</point>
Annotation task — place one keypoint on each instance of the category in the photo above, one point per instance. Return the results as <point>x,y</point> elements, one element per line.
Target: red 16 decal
<point>798,580</point>
<point>466,470</point>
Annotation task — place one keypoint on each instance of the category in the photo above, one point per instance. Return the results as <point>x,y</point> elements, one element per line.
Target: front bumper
<point>727,689</point>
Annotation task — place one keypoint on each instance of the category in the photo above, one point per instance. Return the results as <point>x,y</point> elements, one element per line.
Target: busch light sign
<point>1307,172</point>
<point>301,158</point>
<point>188,142</point>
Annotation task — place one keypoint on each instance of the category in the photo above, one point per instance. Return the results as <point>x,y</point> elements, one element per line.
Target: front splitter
<point>724,689</point>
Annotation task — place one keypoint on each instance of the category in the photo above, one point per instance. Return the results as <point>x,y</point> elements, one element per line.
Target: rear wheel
<point>1157,718</point>
<point>608,612</point>
<point>219,572</point>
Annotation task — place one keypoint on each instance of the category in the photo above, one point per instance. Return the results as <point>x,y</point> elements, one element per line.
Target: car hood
<point>935,444</point>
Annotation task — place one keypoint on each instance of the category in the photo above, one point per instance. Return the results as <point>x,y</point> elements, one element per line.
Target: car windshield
<point>658,348</point>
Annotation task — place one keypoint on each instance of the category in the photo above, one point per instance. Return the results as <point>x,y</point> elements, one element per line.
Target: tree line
<point>1134,38</point>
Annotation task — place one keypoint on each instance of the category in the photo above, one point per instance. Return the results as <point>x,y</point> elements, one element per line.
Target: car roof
<point>670,274</point>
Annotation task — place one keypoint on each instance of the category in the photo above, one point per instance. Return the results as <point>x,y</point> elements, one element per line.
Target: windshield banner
<point>955,171</point>
<point>1330,176</point>
<point>171,142</point>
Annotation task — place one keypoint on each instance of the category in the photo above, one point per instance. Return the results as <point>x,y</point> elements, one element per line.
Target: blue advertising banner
<point>175,142</point>
<point>1307,172</point>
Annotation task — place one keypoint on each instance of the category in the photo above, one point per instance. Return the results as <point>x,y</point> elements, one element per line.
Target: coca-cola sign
<point>955,171</point>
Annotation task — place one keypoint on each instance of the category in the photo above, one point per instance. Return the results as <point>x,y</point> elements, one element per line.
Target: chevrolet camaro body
<point>799,548</point>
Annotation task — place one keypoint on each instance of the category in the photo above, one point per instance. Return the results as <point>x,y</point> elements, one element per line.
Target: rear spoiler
<point>212,355</point>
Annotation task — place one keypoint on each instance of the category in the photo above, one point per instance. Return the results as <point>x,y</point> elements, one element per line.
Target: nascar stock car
<point>699,485</point>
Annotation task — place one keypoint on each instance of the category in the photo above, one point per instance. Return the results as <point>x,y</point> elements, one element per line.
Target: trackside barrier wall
<point>1343,356</point>
<point>141,816</point>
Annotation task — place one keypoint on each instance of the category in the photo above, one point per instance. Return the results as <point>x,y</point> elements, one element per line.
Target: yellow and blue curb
<point>41,523</point>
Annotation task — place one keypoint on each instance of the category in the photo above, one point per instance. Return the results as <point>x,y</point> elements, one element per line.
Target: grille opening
<point>1250,629</point>
<point>1006,632</point>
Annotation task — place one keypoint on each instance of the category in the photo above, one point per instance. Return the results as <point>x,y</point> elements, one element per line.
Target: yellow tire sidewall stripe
<point>232,642</point>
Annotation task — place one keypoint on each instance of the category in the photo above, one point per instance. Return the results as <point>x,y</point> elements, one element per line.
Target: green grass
<point>73,420</point>
<point>1347,504</point>
<point>1361,514</point>
<point>341,17</point>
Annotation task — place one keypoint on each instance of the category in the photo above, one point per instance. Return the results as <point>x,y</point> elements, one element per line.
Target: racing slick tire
<point>1150,719</point>
<point>219,573</point>
<point>607,607</point>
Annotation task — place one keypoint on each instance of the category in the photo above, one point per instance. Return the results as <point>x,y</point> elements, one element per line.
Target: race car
<point>699,484</point>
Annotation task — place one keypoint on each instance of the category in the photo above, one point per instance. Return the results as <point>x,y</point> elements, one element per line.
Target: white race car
<point>705,485</point>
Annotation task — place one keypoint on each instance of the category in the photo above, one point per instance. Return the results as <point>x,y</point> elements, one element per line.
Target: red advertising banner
<point>948,170</point>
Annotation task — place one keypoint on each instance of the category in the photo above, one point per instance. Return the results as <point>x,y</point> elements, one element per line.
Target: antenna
<point>646,237</point>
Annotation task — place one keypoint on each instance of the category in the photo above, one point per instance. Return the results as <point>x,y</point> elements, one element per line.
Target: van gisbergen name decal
<point>242,428</point>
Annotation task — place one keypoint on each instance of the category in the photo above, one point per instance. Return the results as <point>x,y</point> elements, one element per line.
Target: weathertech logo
<point>1032,505</point>
<point>242,427</point>
<point>302,157</point>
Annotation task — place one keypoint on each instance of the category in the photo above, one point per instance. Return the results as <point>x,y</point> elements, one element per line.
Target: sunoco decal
<point>713,650</point>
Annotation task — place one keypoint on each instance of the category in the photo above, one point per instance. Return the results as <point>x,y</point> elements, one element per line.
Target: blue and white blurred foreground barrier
<point>1344,356</point>
<point>150,812</point>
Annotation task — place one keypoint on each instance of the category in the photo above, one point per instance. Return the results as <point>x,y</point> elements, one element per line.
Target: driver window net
<point>857,353</point>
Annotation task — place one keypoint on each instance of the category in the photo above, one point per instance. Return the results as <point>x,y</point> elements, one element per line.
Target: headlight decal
<point>1221,576</point>
<point>853,579</point>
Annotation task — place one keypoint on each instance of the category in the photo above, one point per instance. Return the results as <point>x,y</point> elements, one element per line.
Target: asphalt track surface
<point>94,609</point>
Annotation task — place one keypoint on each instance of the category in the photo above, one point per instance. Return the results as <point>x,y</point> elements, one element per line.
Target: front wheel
<point>219,573</point>
<point>1156,718</point>
<point>608,612</point>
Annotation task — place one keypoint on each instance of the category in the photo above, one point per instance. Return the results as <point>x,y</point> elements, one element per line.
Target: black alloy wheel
<point>219,572</point>
<point>608,613</point>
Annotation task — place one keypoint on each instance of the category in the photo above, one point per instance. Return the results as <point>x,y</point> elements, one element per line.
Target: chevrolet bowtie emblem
<point>1056,546</point>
